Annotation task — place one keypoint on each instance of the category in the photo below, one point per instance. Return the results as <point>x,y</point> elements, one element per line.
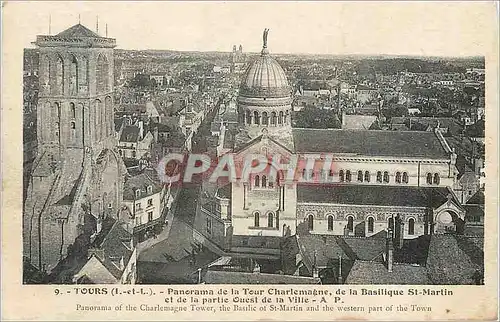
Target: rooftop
<point>369,143</point>
<point>364,272</point>
<point>375,195</point>
<point>225,277</point>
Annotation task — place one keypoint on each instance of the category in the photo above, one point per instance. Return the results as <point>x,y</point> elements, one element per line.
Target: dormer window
<point>150,189</point>
<point>138,193</point>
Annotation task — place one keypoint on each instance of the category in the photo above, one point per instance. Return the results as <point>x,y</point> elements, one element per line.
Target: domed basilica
<point>377,180</point>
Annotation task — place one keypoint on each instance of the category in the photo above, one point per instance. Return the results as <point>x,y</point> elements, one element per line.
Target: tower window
<point>386,177</point>
<point>436,178</point>
<point>249,117</point>
<point>280,118</point>
<point>264,181</point>
<point>367,176</point>
<point>379,176</point>
<point>265,120</point>
<point>405,177</point>
<point>257,181</point>
<point>348,176</point>
<point>391,223</point>
<point>273,118</point>
<point>360,176</point>
<point>270,219</point>
<point>350,223</point>
<point>310,222</point>
<point>73,125</point>
<point>411,226</point>
<point>429,178</point>
<point>398,177</point>
<point>341,175</point>
<point>256,118</point>
<point>330,223</point>
<point>370,224</point>
<point>73,110</point>
<point>256,219</point>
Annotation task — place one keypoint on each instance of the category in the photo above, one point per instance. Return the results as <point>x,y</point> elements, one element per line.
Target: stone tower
<point>76,179</point>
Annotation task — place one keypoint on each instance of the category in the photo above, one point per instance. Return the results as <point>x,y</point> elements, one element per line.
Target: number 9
<point>56,291</point>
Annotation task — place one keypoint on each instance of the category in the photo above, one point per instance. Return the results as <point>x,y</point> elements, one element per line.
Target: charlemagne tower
<point>77,177</point>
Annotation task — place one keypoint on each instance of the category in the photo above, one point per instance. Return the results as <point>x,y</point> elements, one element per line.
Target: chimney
<point>389,249</point>
<point>340,269</point>
<point>399,232</point>
<point>199,275</point>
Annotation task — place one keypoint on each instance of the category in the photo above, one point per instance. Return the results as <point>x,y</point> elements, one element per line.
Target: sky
<point>338,28</point>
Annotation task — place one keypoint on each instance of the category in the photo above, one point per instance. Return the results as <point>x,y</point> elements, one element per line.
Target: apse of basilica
<point>380,180</point>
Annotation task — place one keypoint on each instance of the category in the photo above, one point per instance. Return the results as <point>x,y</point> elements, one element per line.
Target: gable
<point>96,272</point>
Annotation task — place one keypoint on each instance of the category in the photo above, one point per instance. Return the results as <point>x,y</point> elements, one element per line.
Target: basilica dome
<point>265,78</point>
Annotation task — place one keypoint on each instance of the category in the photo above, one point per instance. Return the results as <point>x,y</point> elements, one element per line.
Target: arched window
<point>256,118</point>
<point>405,177</point>
<point>429,178</point>
<point>350,223</point>
<point>386,176</point>
<point>436,178</point>
<point>73,110</point>
<point>411,226</point>
<point>367,176</point>
<point>84,70</point>
<point>273,118</point>
<point>57,130</point>
<point>59,75</point>
<point>280,117</point>
<point>257,181</point>
<point>256,219</point>
<point>287,117</point>
<point>277,221</point>
<point>270,184</point>
<point>398,177</point>
<point>330,223</point>
<point>310,222</point>
<point>341,175</point>
<point>265,120</point>
<point>134,154</point>
<point>73,125</point>
<point>270,219</point>
<point>249,117</point>
<point>360,176</point>
<point>102,74</point>
<point>73,76</point>
<point>370,224</point>
<point>379,176</point>
<point>348,176</point>
<point>264,181</point>
<point>120,152</point>
<point>391,223</point>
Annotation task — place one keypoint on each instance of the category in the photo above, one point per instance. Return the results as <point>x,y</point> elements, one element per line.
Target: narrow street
<point>173,256</point>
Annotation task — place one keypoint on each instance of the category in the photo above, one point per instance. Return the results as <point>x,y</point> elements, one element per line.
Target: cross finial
<point>264,37</point>
<point>79,20</point>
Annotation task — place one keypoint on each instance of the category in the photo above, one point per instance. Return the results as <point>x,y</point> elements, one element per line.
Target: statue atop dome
<point>264,37</point>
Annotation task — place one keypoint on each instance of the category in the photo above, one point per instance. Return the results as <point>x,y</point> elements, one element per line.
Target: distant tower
<point>240,50</point>
<point>76,138</point>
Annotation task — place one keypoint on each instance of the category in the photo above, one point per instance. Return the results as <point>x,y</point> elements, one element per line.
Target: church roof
<point>78,31</point>
<point>374,195</point>
<point>369,143</point>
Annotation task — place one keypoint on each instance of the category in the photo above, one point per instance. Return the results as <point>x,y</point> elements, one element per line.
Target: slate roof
<point>130,133</point>
<point>141,181</point>
<point>364,272</point>
<point>376,195</point>
<point>116,245</point>
<point>78,31</point>
<point>225,277</point>
<point>358,122</point>
<point>369,143</point>
<point>477,198</point>
<point>225,191</point>
<point>453,260</point>
<point>422,123</point>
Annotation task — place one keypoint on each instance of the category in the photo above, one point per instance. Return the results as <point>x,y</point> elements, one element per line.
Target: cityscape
<point>388,187</point>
